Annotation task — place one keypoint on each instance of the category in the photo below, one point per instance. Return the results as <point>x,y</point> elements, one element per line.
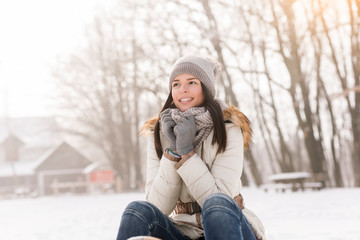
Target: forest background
<point>292,66</point>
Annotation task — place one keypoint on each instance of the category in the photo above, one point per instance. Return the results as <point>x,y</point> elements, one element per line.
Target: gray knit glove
<point>185,132</point>
<point>167,127</point>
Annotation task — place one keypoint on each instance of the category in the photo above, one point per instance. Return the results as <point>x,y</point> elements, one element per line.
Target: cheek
<point>200,96</point>
<point>199,93</point>
<point>173,93</point>
<point>202,99</point>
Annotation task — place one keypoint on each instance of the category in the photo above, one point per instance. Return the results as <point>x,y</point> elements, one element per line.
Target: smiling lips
<point>185,99</point>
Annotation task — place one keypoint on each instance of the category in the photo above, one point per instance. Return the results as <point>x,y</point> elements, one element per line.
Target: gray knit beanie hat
<point>203,69</point>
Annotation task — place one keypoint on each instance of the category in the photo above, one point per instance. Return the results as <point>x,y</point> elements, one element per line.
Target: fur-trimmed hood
<point>231,114</point>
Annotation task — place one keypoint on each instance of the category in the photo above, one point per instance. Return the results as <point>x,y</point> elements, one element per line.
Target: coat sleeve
<point>224,175</point>
<point>163,183</point>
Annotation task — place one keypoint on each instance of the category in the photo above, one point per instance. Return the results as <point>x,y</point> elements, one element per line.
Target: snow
<point>328,214</point>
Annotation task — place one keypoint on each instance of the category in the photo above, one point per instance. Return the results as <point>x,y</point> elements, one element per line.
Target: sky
<point>33,34</point>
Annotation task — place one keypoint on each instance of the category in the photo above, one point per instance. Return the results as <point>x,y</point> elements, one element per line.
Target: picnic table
<point>291,180</point>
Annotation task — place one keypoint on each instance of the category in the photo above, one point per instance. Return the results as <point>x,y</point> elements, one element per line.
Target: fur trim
<point>231,114</point>
<point>148,127</point>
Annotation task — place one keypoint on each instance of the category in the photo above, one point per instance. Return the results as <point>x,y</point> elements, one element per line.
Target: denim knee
<point>137,205</point>
<point>220,202</point>
<point>218,199</point>
<point>142,209</point>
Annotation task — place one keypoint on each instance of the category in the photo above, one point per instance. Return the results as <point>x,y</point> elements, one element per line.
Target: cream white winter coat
<point>198,177</point>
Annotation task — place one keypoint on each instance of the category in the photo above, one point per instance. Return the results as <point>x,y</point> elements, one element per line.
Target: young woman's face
<point>187,92</point>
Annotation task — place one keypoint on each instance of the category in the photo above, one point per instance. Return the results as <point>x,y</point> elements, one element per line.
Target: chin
<point>187,107</point>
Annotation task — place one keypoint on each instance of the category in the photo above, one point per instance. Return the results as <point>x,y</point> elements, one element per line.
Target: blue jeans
<point>142,218</point>
<point>222,219</point>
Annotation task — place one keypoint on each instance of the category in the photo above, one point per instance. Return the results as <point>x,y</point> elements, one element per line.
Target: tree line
<point>292,66</point>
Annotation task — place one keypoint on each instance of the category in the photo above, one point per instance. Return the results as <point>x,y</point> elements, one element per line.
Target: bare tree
<point>348,76</point>
<point>101,94</point>
<point>299,89</point>
<point>323,93</point>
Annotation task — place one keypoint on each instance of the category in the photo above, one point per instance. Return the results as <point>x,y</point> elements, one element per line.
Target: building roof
<point>71,159</point>
<point>62,156</point>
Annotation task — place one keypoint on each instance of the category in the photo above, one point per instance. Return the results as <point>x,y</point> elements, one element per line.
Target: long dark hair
<point>213,107</point>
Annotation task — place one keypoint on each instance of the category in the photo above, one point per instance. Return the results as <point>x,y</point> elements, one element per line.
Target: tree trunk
<point>293,65</point>
<point>139,181</point>
<point>253,168</point>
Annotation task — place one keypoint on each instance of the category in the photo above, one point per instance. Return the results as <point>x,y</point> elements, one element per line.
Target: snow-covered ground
<point>332,214</point>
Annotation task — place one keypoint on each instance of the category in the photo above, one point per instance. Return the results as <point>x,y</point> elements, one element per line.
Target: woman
<point>194,164</point>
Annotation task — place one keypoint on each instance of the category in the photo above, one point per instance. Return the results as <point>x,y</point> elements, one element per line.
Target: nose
<point>183,88</point>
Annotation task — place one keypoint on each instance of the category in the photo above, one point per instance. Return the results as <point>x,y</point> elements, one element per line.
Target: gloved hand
<point>167,127</point>
<point>185,132</point>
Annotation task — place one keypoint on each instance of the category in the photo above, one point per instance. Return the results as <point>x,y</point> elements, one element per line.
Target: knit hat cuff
<point>196,71</point>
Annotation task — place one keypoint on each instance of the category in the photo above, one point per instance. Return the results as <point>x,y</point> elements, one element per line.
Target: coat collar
<point>231,114</point>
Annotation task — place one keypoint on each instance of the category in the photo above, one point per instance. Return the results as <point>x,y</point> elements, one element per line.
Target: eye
<point>175,84</point>
<point>193,82</point>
